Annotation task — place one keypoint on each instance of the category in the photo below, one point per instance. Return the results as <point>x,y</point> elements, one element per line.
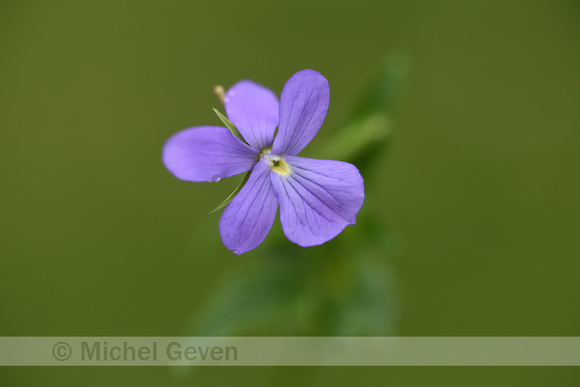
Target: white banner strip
<point>290,351</point>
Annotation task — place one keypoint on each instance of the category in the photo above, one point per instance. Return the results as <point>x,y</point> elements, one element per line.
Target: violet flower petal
<point>318,199</point>
<point>303,105</point>
<point>246,221</point>
<point>254,110</point>
<point>207,153</point>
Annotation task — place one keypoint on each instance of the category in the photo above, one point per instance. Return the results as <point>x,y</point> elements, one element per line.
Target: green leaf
<point>287,291</point>
<point>230,126</point>
<point>229,198</point>
<point>366,134</point>
<point>257,298</point>
<point>358,138</point>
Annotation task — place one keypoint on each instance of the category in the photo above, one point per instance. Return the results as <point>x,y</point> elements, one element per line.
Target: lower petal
<point>207,153</point>
<point>318,199</point>
<point>249,217</point>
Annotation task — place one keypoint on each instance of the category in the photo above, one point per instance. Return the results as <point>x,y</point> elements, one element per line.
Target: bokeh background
<point>480,184</point>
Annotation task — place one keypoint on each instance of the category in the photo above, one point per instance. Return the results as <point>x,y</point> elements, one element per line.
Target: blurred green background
<point>480,184</point>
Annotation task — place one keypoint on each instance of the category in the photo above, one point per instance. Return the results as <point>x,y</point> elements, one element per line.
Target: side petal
<point>303,105</point>
<point>207,153</point>
<point>254,110</point>
<point>318,199</point>
<point>249,217</point>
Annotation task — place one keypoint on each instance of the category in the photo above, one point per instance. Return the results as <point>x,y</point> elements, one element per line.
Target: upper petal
<point>303,105</point>
<point>207,153</point>
<point>246,221</point>
<point>318,199</point>
<point>254,110</point>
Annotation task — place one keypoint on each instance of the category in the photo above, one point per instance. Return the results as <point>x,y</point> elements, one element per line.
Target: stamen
<point>264,152</point>
<point>220,93</point>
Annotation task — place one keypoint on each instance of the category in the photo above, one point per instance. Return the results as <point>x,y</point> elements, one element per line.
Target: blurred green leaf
<point>285,294</point>
<point>366,132</point>
<point>260,294</point>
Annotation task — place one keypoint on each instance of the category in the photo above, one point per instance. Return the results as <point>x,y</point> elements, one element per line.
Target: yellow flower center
<point>276,163</point>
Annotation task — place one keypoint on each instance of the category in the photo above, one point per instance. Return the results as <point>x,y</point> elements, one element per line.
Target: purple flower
<point>317,198</point>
